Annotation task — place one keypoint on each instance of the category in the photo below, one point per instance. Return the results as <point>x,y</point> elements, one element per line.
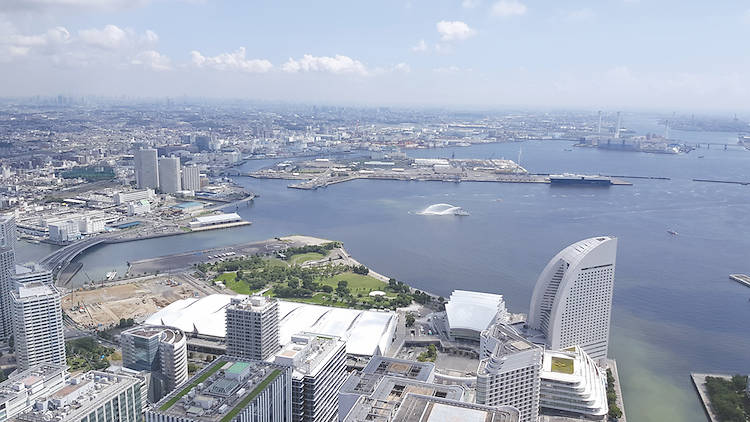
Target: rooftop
<point>165,334</point>
<point>35,289</point>
<point>418,408</point>
<point>474,310</point>
<point>26,379</point>
<point>366,332</point>
<point>308,353</point>
<point>219,392</point>
<point>79,396</point>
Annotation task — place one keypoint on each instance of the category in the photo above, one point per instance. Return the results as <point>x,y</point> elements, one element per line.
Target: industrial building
<point>37,325</point>
<point>229,389</point>
<point>134,195</point>
<point>215,220</point>
<point>572,300</point>
<point>318,370</point>
<point>508,372</point>
<point>160,350</point>
<point>252,327</point>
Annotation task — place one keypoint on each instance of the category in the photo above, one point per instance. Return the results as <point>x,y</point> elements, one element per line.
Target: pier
<point>743,279</point>
<point>722,181</point>
<point>699,382</point>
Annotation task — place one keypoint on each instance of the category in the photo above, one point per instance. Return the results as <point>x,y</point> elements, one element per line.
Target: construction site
<point>104,306</point>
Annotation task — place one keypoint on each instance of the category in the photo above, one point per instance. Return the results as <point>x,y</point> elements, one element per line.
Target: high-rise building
<point>252,326</point>
<point>191,178</point>
<point>160,350</point>
<point>230,389</point>
<point>91,397</point>
<point>572,383</point>
<point>318,370</point>
<point>508,372</point>
<point>30,273</point>
<point>8,233</point>
<point>64,231</point>
<point>38,325</point>
<point>23,388</point>
<point>572,299</point>
<point>169,175</point>
<point>147,168</point>
<point>7,269</point>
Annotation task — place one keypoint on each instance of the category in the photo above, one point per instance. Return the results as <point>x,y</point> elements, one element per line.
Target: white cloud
<point>470,4</point>
<point>110,45</point>
<point>338,65</point>
<point>420,47</point>
<point>454,30</point>
<point>231,61</point>
<point>153,60</point>
<point>447,69</point>
<point>110,37</point>
<point>505,8</point>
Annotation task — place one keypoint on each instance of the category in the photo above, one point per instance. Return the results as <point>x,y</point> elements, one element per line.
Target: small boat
<point>701,156</point>
<point>111,275</point>
<point>568,149</point>
<point>672,232</point>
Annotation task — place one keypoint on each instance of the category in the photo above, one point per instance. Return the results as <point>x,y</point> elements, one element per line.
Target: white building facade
<point>572,299</point>
<point>191,178</point>
<point>38,325</point>
<point>252,327</point>
<point>509,372</point>
<point>318,371</point>
<point>572,383</point>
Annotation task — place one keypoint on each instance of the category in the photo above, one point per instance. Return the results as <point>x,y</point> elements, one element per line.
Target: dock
<point>741,278</point>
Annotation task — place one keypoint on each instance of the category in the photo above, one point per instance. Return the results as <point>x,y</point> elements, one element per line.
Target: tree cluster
<point>728,398</point>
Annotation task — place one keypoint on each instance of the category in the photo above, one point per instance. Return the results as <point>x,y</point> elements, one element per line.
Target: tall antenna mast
<point>617,129</point>
<point>599,127</point>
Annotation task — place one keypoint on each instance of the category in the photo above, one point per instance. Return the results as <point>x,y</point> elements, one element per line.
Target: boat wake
<point>443,209</point>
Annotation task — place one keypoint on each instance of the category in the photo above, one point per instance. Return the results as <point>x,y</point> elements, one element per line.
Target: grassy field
<point>276,262</point>
<point>230,280</point>
<point>357,283</point>
<point>299,259</point>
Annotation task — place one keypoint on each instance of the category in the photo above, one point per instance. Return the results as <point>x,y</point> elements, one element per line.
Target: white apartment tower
<point>572,299</point>
<point>252,326</point>
<point>191,178</point>
<point>147,168</point>
<point>318,365</point>
<point>29,274</point>
<point>508,372</point>
<point>7,270</point>
<point>169,175</point>
<point>160,350</point>
<point>38,325</point>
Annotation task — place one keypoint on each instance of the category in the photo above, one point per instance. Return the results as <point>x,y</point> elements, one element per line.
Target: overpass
<point>58,260</point>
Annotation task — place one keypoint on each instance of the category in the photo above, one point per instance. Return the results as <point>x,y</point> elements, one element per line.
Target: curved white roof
<point>474,310</point>
<point>365,332</point>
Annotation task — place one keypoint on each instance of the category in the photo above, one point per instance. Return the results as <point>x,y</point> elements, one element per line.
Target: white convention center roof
<point>365,332</point>
<point>474,310</point>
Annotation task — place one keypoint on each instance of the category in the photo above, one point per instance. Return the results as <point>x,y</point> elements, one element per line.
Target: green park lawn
<point>301,258</point>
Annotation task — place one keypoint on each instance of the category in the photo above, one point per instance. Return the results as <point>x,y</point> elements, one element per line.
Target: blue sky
<point>638,54</point>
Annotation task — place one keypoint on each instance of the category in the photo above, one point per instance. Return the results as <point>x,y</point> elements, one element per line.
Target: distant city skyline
<point>626,54</point>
